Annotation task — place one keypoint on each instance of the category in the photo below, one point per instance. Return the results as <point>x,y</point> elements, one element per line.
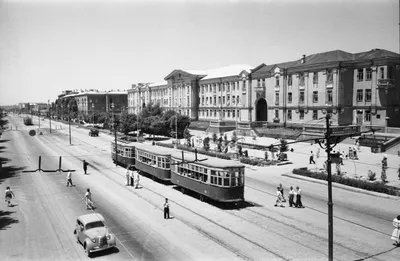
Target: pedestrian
<point>69,179</point>
<point>166,209</point>
<point>131,177</point>
<point>291,197</point>
<point>85,164</point>
<point>278,198</point>
<point>358,144</point>
<point>127,175</point>
<point>137,178</point>
<point>9,194</point>
<point>312,158</point>
<point>396,232</point>
<point>299,204</point>
<point>281,190</point>
<point>88,200</point>
<point>398,171</point>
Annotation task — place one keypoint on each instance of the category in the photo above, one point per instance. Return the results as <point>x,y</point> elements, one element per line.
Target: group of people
<point>132,177</point>
<point>293,193</point>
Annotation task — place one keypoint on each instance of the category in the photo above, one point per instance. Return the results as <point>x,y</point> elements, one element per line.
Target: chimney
<point>303,60</point>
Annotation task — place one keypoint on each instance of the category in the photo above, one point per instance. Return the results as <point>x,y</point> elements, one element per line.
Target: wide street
<point>40,224</point>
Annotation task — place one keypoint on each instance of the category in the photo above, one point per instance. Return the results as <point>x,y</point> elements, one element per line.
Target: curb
<point>341,186</point>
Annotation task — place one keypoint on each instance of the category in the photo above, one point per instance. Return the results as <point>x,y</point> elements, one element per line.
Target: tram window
<point>205,178</point>
<point>220,181</point>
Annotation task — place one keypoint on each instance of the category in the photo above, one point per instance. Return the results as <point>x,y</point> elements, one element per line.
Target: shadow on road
<point>375,255</point>
<point>6,220</point>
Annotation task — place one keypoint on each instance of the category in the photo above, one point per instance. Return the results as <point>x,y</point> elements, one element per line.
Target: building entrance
<point>261,110</point>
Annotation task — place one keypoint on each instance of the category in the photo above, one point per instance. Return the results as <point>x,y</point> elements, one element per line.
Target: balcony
<point>277,87</point>
<point>329,84</point>
<point>386,84</point>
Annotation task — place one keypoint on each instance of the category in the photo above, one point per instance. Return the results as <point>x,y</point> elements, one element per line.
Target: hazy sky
<point>50,46</point>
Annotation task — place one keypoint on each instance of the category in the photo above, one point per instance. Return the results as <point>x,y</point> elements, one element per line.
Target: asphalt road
<point>40,226</point>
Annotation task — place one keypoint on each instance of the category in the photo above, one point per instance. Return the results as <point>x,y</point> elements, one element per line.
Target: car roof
<point>88,218</point>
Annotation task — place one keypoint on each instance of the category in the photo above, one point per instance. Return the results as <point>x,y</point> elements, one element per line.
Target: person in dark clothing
<point>291,197</point>
<point>85,164</point>
<point>299,204</point>
<point>281,190</point>
<point>166,209</point>
<point>312,158</point>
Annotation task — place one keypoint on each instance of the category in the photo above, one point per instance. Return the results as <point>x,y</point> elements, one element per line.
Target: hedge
<point>362,184</point>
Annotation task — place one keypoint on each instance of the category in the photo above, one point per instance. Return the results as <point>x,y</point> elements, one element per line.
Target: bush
<point>371,175</point>
<point>376,186</point>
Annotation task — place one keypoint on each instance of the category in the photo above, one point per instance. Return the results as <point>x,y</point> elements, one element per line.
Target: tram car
<point>210,178</point>
<point>154,160</point>
<point>27,121</point>
<point>125,153</point>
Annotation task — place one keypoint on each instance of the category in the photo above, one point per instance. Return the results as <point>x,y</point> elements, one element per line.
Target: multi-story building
<point>100,101</point>
<point>359,88</point>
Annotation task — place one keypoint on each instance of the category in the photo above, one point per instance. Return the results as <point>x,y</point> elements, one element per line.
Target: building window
<point>290,97</point>
<point>368,95</point>
<point>290,80</point>
<point>289,115</point>
<point>329,76</point>
<point>360,94</point>
<point>301,114</point>
<point>263,82</point>
<point>276,114</point>
<point>367,115</point>
<point>258,83</point>
<point>277,98</point>
<point>229,113</point>
<point>223,113</point>
<point>315,97</point>
<point>315,78</point>
<point>301,97</point>
<point>301,79</point>
<point>223,100</point>
<point>360,75</point>
<point>368,75</point>
<point>215,113</point>
<point>277,81</point>
<point>382,73</point>
<point>315,114</point>
<point>215,100</point>
<point>329,96</point>
<point>233,113</point>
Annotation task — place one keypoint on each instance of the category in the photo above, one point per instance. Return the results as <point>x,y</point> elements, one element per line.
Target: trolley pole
<point>330,203</point>
<point>50,116</point>
<point>69,124</point>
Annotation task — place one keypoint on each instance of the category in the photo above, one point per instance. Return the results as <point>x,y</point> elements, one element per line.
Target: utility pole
<point>115,135</point>
<point>49,114</point>
<point>330,203</point>
<point>69,124</point>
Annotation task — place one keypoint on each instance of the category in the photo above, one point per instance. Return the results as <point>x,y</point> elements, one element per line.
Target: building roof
<point>376,54</point>
<point>325,57</point>
<point>210,161</point>
<point>159,83</point>
<point>231,70</point>
<point>154,149</point>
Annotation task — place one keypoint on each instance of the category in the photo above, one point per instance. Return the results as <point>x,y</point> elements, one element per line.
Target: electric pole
<point>330,203</point>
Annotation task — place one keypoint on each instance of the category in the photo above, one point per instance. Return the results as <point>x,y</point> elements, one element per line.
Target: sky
<point>50,46</point>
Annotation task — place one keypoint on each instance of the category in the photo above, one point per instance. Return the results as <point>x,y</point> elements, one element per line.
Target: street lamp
<point>115,134</point>
<point>93,112</point>
<point>49,106</point>
<point>69,123</point>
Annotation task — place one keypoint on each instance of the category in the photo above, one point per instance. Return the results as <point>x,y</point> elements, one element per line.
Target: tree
<point>283,146</point>
<point>206,143</point>
<point>3,122</point>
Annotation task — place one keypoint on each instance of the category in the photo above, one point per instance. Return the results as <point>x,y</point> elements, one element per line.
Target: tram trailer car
<point>125,152</point>
<point>154,160</point>
<point>217,179</point>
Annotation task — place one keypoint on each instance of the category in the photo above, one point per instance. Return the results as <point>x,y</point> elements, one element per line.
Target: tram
<point>125,153</point>
<point>154,160</point>
<point>211,178</point>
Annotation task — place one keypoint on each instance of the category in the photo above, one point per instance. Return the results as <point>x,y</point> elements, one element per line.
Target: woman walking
<point>8,195</point>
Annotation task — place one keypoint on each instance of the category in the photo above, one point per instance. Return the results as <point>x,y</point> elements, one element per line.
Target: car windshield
<point>94,224</point>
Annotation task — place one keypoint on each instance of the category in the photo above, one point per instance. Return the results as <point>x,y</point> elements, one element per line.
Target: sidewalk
<point>302,151</point>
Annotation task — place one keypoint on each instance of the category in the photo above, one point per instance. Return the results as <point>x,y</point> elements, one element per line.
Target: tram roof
<point>154,149</point>
<point>210,162</point>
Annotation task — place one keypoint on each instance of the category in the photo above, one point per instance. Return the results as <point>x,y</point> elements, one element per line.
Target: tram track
<point>230,248</point>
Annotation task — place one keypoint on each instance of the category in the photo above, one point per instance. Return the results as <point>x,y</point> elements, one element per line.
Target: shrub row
<point>362,184</point>
<point>258,161</point>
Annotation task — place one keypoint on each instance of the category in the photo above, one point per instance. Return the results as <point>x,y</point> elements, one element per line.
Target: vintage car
<point>93,132</point>
<point>92,233</point>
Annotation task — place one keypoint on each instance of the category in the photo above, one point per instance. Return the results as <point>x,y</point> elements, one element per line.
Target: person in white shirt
<point>278,197</point>
<point>291,197</point>
<point>128,175</point>
<point>88,200</point>
<point>396,232</point>
<point>166,209</point>
<point>8,195</point>
<point>299,204</point>
<point>137,179</point>
<point>69,179</point>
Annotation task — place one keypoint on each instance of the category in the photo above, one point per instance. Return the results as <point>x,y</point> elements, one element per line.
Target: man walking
<point>8,195</point>
<point>88,200</point>
<point>312,158</point>
<point>127,175</point>
<point>281,190</point>
<point>278,198</point>
<point>69,179</point>
<point>166,209</point>
<point>137,178</point>
<point>299,204</point>
<point>85,164</point>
